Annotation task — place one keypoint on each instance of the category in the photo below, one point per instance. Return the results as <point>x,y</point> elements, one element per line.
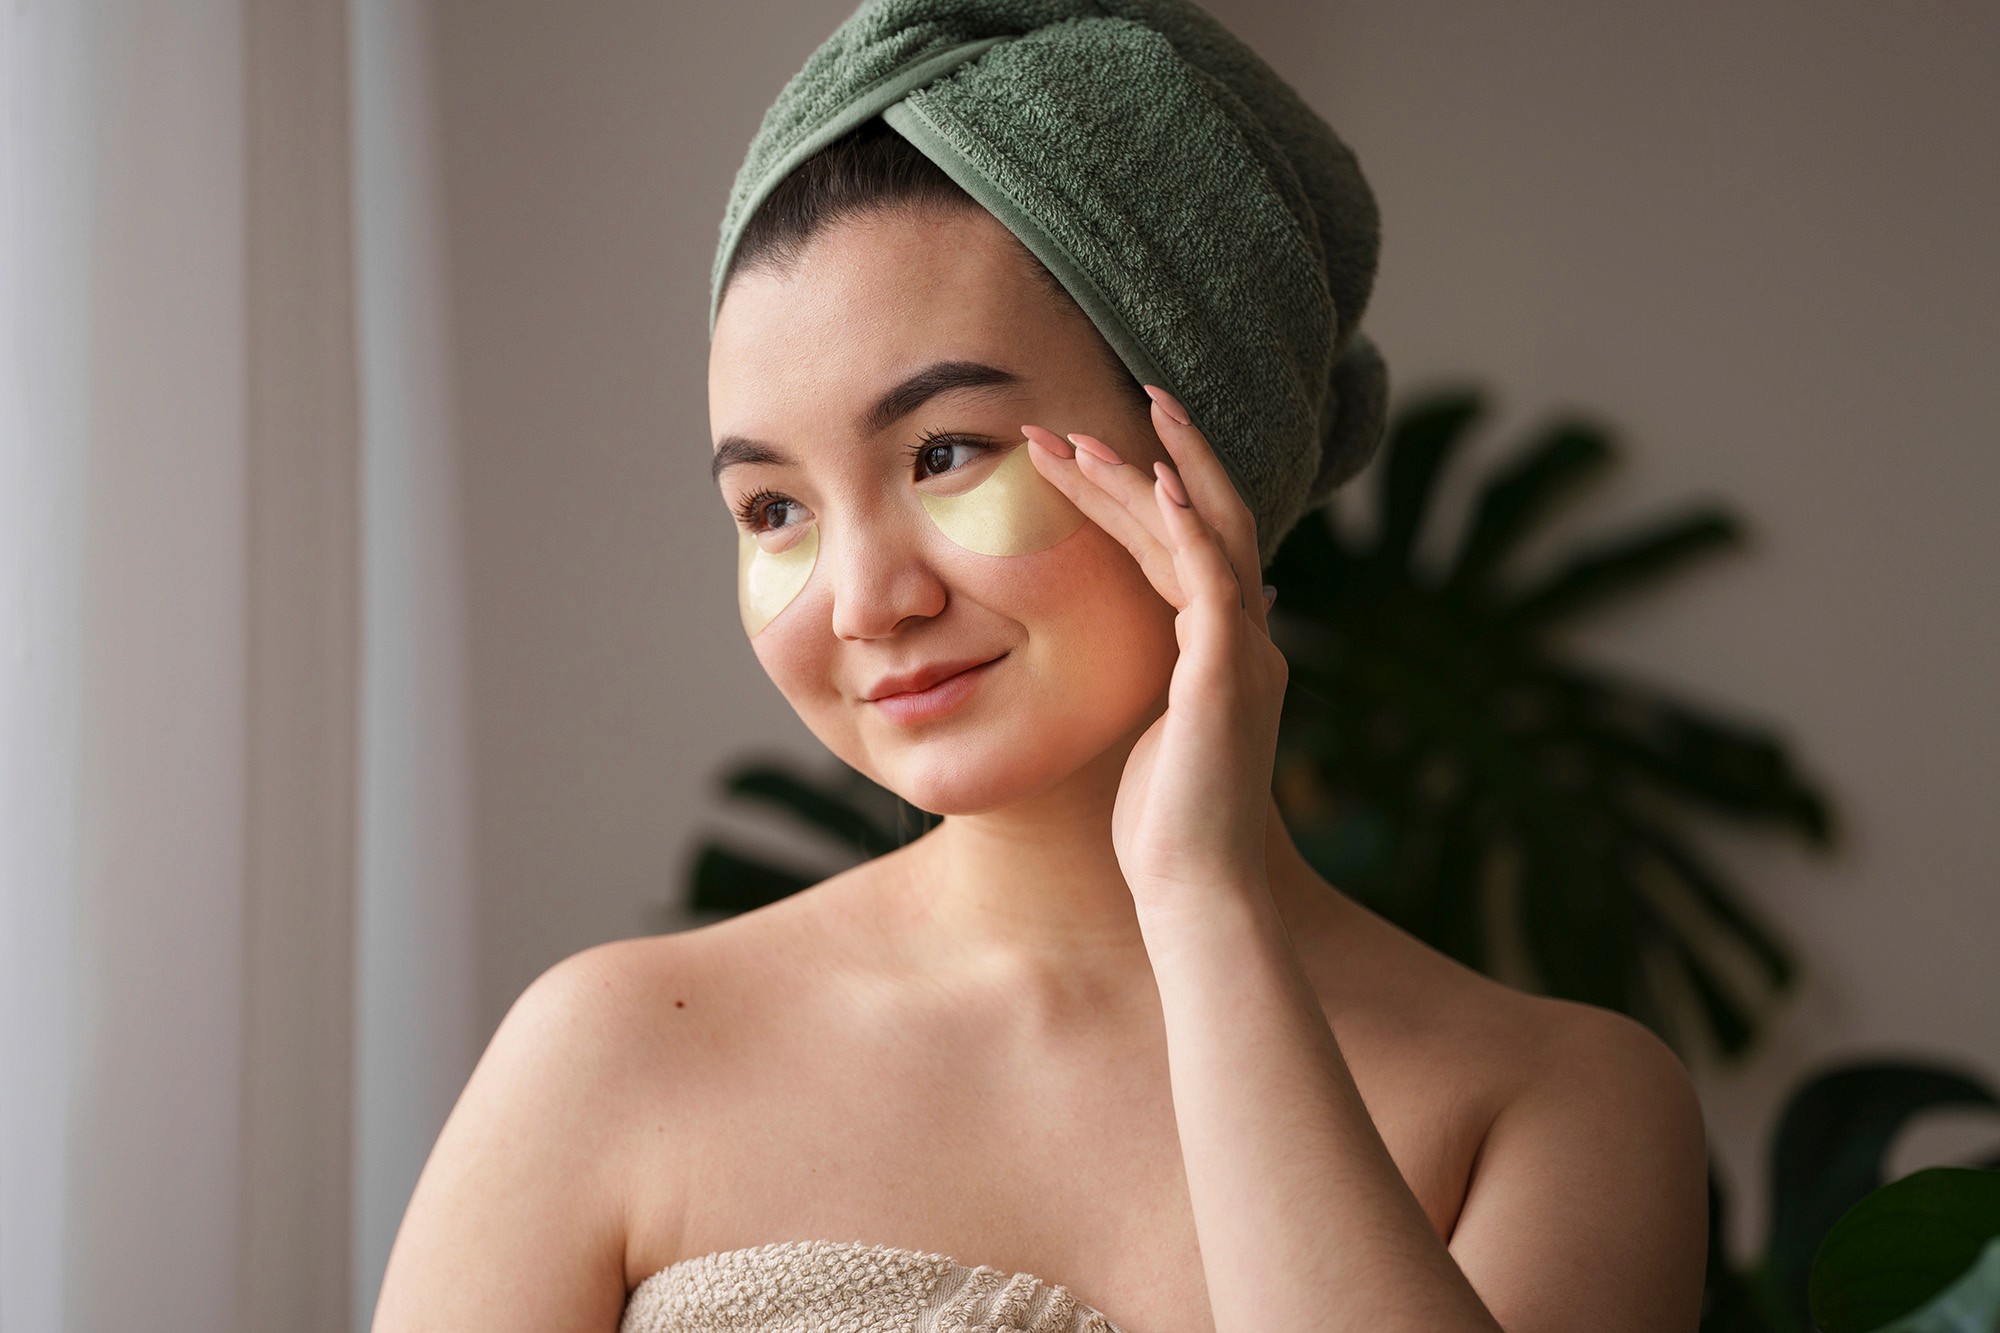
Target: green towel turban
<point>1212,226</point>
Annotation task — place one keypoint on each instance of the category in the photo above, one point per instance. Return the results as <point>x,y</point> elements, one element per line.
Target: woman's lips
<point>939,699</point>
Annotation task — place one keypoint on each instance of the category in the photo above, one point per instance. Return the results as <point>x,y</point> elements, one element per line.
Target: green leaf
<point>1733,769</point>
<point>1728,1302</point>
<point>1718,897</point>
<point>1311,567</point>
<point>826,808</point>
<point>1827,1152</point>
<point>1519,495</point>
<point>1969,1305</point>
<point>1421,442</point>
<point>1578,909</point>
<point>1619,567</point>
<point>730,882</point>
<point>1930,1239</point>
<point>1728,1024</point>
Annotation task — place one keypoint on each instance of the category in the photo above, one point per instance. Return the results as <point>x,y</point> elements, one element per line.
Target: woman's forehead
<point>865,301</point>
<point>872,275</point>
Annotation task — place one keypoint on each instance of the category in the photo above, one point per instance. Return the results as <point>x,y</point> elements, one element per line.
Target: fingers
<point>1121,498</point>
<point>1130,486</point>
<point>1207,573</point>
<point>1207,483</point>
<point>1105,501</point>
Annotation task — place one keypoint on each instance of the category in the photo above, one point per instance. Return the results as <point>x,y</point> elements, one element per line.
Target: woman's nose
<point>880,574</point>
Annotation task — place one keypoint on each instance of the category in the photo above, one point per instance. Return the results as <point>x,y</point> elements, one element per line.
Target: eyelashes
<point>752,509</point>
<point>748,507</point>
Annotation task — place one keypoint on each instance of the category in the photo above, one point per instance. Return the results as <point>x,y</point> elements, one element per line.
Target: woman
<point>1101,1050</point>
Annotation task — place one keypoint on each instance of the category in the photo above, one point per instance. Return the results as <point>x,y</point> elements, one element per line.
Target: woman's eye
<point>752,512</point>
<point>936,449</point>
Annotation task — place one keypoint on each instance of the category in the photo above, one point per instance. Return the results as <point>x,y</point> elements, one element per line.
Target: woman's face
<point>890,519</point>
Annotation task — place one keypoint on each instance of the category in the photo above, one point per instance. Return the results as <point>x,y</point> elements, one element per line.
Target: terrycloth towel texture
<point>824,1286</point>
<point>1210,223</point>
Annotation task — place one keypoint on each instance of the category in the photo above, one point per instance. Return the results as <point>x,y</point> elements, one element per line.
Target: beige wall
<point>1756,239</point>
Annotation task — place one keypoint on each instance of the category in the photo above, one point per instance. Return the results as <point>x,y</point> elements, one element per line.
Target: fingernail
<point>1168,403</point>
<point>1270,596</point>
<point>1172,485</point>
<point>1096,448</point>
<point>1048,440</point>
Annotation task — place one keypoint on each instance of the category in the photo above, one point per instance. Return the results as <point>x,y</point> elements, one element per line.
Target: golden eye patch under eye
<point>1014,511</point>
<point>767,581</point>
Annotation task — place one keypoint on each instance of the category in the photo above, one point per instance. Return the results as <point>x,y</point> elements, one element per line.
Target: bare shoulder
<point>1589,1076</point>
<point>1594,1078</point>
<point>515,1221</point>
<point>701,1020</point>
<point>1415,1015</point>
<point>755,964</point>
<point>1576,1144</point>
<point>1396,989</point>
<point>1596,1169</point>
<point>1591,1047</point>
<point>1461,1070</point>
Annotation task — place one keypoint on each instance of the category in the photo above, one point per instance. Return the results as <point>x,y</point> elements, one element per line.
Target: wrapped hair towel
<point>1212,226</point>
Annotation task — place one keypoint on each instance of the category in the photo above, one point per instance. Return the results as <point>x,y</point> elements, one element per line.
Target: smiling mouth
<point>938,698</point>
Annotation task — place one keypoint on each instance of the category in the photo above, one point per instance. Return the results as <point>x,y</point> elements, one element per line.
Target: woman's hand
<point>1191,808</point>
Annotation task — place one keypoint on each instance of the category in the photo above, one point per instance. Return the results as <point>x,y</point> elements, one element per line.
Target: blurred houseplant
<point>1846,1250</point>
<point>1445,764</point>
<point>1920,1255</point>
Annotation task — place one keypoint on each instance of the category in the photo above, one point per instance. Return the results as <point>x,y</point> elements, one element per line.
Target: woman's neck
<point>1031,896</point>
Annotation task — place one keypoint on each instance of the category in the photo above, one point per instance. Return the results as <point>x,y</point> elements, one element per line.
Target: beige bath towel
<point>824,1286</point>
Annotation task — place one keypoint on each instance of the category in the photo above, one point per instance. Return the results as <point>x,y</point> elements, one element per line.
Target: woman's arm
<point>1304,1220</point>
<point>1588,1204</point>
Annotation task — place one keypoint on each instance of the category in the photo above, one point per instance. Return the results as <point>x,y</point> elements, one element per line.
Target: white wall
<point>1756,240</point>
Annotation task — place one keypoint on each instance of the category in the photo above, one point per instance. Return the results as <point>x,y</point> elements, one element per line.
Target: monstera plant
<point>1444,762</point>
<point>1846,1250</point>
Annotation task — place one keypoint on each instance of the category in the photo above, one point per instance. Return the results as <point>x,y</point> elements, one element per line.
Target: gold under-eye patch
<point>767,581</point>
<point>1014,511</point>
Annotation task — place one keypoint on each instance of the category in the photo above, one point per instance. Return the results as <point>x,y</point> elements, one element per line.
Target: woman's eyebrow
<point>736,449</point>
<point>934,379</point>
<point>906,397</point>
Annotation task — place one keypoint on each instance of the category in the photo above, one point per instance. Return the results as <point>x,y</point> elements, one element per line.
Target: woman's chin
<point>979,780</point>
<point>974,797</point>
<point>969,782</point>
